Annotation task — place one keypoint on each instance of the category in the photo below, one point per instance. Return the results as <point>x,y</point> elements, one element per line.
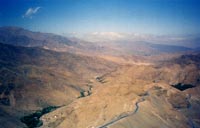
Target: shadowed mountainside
<point>22,37</point>
<point>34,78</point>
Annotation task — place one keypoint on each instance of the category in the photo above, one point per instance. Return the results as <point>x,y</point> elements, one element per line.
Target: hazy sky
<point>82,16</point>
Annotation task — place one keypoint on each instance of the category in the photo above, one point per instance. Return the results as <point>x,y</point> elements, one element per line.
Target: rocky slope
<point>136,96</point>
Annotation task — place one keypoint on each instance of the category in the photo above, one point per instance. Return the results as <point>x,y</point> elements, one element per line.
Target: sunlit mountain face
<point>99,64</point>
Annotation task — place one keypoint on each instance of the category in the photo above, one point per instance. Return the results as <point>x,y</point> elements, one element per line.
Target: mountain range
<point>48,80</point>
<point>22,37</point>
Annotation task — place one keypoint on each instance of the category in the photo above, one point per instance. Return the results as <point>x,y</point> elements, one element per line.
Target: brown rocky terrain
<point>34,78</point>
<point>51,81</point>
<point>135,96</point>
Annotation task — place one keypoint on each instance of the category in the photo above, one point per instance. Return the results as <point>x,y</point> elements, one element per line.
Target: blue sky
<point>82,16</point>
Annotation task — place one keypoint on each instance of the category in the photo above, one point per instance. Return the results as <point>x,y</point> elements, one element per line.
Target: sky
<point>159,17</point>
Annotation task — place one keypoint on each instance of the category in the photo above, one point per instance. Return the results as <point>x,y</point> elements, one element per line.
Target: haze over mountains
<point>96,84</point>
<point>190,41</point>
<point>99,43</point>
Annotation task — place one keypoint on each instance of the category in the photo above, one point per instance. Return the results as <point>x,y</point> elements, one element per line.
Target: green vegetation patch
<point>33,120</point>
<point>82,94</point>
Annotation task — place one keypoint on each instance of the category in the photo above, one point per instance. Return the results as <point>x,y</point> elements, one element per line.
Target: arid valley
<point>99,64</point>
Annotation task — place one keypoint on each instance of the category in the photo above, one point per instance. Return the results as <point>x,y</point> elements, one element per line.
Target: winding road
<point>123,115</point>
